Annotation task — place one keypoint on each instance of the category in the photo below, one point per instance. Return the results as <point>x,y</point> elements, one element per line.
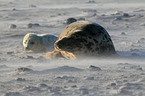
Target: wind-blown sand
<point>28,74</point>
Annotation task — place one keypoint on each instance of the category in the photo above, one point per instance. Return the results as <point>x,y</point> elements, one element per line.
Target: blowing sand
<point>28,74</point>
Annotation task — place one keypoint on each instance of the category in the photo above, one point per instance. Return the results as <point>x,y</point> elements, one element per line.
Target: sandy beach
<point>29,74</point>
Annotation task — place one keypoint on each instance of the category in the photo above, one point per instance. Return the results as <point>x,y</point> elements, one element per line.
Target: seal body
<point>39,42</point>
<point>81,39</point>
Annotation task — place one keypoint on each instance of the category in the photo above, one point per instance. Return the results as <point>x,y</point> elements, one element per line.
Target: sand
<point>28,74</point>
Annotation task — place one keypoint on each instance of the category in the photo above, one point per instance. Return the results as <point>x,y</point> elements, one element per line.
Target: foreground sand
<point>31,75</point>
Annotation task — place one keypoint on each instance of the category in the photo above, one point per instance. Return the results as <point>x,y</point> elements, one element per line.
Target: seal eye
<point>32,43</point>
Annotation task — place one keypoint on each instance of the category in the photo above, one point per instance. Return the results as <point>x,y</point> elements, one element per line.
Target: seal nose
<point>26,48</point>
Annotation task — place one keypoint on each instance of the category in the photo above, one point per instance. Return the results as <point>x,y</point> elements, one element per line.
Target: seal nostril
<point>26,48</point>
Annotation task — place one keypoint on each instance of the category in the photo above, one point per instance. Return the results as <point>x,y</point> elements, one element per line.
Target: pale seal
<point>39,42</point>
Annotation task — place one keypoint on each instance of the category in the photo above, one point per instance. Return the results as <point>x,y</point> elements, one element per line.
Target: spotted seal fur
<point>82,38</point>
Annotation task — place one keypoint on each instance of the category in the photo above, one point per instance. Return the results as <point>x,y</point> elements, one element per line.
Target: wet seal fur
<point>82,39</point>
<point>33,42</point>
